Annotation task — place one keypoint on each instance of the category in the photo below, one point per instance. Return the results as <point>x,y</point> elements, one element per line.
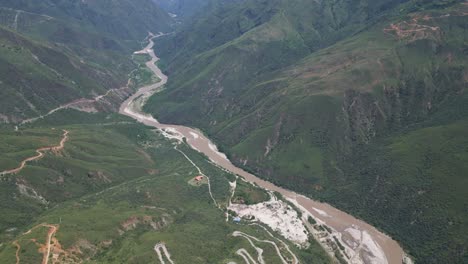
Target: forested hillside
<point>55,52</point>
<point>358,103</point>
<point>81,184</point>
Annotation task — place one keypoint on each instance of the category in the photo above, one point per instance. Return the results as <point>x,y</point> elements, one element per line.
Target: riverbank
<point>361,242</point>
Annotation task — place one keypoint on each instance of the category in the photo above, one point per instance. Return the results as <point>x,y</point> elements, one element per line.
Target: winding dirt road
<point>18,249</point>
<point>380,248</point>
<point>40,154</point>
<point>200,173</point>
<point>161,250</point>
<point>50,234</point>
<point>246,256</point>
<point>45,255</point>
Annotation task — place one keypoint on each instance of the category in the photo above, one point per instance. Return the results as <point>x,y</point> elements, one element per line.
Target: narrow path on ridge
<point>201,173</point>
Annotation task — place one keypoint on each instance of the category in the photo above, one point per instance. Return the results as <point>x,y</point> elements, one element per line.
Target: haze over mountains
<point>357,103</point>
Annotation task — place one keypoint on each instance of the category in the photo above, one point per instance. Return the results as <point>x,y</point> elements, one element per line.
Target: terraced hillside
<point>56,52</point>
<point>337,100</point>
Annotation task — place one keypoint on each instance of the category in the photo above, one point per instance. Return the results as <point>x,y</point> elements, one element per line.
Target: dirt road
<point>161,250</point>
<point>46,253</point>
<point>18,249</point>
<point>50,234</point>
<point>40,154</point>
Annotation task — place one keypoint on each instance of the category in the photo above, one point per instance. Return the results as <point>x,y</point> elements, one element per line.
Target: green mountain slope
<point>292,30</point>
<point>122,19</point>
<point>55,52</point>
<point>183,9</point>
<point>337,102</point>
<point>36,78</point>
<point>115,191</point>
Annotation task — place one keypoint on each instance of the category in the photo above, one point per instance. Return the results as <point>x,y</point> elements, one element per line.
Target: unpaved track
<point>161,249</point>
<point>295,259</point>
<point>40,154</point>
<point>45,255</point>
<point>258,249</point>
<point>338,220</point>
<point>18,248</point>
<point>74,104</point>
<point>260,257</point>
<point>246,256</point>
<point>201,173</point>
<point>50,234</point>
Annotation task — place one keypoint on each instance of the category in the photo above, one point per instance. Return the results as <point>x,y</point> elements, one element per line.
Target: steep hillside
<point>121,19</point>
<point>56,52</point>
<point>183,9</point>
<point>119,192</point>
<point>336,102</point>
<point>36,78</point>
<point>291,30</point>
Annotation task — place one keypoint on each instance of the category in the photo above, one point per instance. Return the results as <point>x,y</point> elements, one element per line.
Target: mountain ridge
<point>322,122</point>
<point>56,52</point>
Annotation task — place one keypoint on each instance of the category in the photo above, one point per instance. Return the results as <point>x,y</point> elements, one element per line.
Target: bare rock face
<point>28,191</point>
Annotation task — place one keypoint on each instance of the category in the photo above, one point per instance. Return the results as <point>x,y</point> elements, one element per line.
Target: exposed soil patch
<point>412,31</point>
<point>18,248</point>
<point>134,221</point>
<point>45,249</point>
<point>419,26</point>
<point>198,181</point>
<point>332,217</point>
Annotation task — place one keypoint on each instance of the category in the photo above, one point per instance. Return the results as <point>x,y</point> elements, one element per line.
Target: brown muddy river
<point>365,244</point>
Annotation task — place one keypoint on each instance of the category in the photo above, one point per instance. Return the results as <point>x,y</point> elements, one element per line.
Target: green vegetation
<point>17,146</point>
<point>334,99</point>
<point>248,194</point>
<point>421,173</point>
<point>311,220</point>
<point>115,191</point>
<point>55,52</point>
<point>359,103</point>
<point>338,243</point>
<point>117,19</point>
<point>36,78</point>
<point>141,59</point>
<point>143,76</point>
